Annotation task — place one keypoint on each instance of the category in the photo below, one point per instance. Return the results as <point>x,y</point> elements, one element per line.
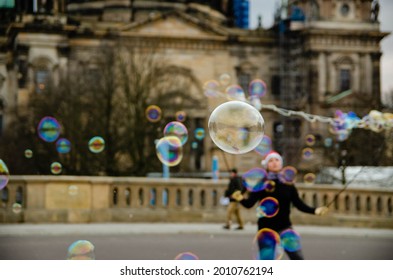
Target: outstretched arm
<point>246,202</point>
<point>320,211</point>
<point>299,203</point>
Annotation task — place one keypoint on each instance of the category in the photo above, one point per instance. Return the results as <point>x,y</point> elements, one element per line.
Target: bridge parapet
<point>82,199</point>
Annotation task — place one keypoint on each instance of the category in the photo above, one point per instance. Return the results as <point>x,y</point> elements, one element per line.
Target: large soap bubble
<point>236,127</point>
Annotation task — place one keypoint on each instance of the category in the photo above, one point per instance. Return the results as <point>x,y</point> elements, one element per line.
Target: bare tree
<point>106,97</point>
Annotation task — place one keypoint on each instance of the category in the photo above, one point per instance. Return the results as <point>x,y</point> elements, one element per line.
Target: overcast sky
<point>266,9</point>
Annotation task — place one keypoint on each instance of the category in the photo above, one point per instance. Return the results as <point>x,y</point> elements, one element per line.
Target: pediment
<point>175,25</point>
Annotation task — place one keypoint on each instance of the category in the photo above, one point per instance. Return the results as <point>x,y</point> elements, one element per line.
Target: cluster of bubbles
<point>49,130</point>
<point>343,123</point>
<point>257,179</point>
<point>169,148</point>
<point>308,154</point>
<point>256,89</point>
<point>270,245</point>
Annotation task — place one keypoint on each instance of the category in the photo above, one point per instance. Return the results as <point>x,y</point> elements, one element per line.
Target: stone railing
<point>72,199</point>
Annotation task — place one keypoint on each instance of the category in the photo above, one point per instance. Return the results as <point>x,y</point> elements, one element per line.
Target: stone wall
<point>72,199</point>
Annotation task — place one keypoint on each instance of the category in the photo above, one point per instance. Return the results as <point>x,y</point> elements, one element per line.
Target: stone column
<point>322,87</point>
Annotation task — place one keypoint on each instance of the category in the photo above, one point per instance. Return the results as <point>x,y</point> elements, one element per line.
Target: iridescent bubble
<point>288,174</point>
<point>28,153</point>
<point>96,144</point>
<point>254,178</point>
<point>176,129</point>
<point>236,92</point>
<point>268,207</point>
<point>56,168</point>
<point>310,140</point>
<point>309,178</point>
<point>257,88</point>
<point>307,153</point>
<point>48,129</point>
<point>63,146</point>
<point>224,79</point>
<point>81,250</point>
<point>16,208</point>
<point>290,240</point>
<point>211,88</point>
<point>236,127</point>
<point>181,116</point>
<point>169,150</point>
<point>269,186</point>
<point>199,133</point>
<point>267,245</point>
<point>186,256</point>
<point>264,147</point>
<point>4,174</point>
<point>153,113</point>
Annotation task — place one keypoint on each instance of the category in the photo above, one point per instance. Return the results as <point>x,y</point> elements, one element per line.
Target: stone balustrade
<point>80,199</point>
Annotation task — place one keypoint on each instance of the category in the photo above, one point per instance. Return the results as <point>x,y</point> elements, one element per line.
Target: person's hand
<point>320,211</point>
<point>237,195</point>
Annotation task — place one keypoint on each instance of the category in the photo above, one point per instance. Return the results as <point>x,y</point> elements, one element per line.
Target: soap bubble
<point>176,129</point>
<point>63,146</point>
<point>96,144</point>
<point>169,150</point>
<point>186,256</point>
<point>236,127</point>
<point>81,250</point>
<point>153,113</point>
<point>224,79</point>
<point>48,129</point>
<point>4,174</point>
<point>181,116</point>
<point>28,153</point>
<point>56,168</point>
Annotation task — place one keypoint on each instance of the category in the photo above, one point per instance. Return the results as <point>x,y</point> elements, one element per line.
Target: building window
<point>4,195</point>
<point>19,195</point>
<point>344,9</point>
<point>41,78</point>
<point>345,79</point>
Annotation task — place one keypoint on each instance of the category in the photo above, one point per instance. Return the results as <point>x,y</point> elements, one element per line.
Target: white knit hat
<point>269,156</point>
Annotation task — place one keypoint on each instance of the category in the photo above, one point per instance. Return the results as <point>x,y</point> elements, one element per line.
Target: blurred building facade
<point>316,51</point>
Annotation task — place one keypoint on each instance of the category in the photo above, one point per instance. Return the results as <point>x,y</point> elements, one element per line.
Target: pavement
<point>174,228</point>
<point>164,241</point>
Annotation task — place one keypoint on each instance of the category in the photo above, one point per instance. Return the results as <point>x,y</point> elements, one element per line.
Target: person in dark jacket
<point>235,184</point>
<point>285,193</point>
